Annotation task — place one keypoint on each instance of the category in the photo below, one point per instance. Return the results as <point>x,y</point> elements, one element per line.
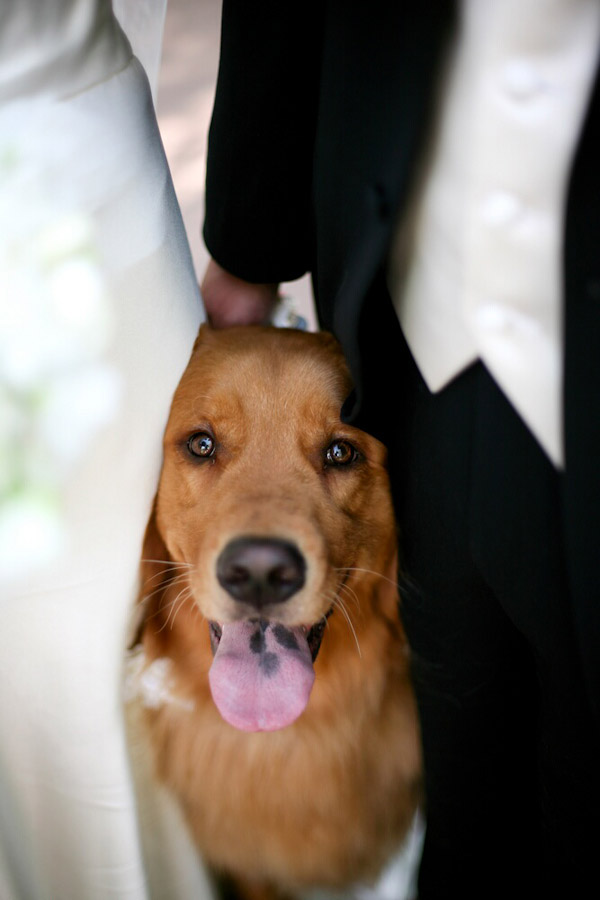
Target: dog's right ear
<point>154,571</point>
<point>205,330</point>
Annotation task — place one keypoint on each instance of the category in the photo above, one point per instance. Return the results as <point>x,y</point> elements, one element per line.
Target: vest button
<point>501,209</point>
<point>522,80</point>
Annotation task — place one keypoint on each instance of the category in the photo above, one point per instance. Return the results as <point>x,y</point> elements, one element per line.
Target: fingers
<point>230,301</point>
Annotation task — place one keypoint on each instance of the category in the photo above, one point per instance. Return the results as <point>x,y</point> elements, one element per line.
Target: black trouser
<point>511,760</point>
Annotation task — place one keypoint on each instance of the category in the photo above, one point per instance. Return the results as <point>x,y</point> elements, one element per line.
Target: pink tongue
<point>262,675</point>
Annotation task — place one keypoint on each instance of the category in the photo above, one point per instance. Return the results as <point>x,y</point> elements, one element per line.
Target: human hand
<point>230,301</point>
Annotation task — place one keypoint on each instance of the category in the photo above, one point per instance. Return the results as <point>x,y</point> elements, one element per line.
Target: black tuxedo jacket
<point>320,112</point>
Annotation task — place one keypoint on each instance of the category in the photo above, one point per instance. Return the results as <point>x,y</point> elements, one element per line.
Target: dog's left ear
<point>387,589</point>
<point>154,570</point>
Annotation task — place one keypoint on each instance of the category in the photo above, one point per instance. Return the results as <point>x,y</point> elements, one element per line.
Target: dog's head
<point>270,504</point>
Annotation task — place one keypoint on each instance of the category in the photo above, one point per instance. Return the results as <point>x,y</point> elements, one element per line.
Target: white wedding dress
<point>99,308</point>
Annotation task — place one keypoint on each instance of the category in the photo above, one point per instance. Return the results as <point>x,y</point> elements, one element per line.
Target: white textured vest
<point>477,273</point>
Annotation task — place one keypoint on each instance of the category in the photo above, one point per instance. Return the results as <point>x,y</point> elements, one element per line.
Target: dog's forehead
<point>247,369</point>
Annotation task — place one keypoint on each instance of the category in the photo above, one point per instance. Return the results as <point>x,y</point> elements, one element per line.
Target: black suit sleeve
<point>259,222</point>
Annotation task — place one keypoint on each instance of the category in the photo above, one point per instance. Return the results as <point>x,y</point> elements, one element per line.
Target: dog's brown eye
<point>341,453</point>
<point>201,445</point>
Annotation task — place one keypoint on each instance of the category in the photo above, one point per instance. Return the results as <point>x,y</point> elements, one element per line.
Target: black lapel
<point>378,88</point>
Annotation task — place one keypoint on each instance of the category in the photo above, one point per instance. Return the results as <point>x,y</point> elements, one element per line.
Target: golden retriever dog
<point>269,601</point>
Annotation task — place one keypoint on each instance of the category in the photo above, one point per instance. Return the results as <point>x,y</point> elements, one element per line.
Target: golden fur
<point>326,800</point>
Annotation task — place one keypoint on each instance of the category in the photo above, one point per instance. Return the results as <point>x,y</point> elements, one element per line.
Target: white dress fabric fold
<point>99,308</point>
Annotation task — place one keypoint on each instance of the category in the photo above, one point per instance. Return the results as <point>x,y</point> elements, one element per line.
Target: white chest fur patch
<point>152,684</point>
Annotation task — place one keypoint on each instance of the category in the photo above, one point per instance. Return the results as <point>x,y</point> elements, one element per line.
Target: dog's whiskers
<point>164,607</point>
<point>350,593</point>
<point>169,563</point>
<point>166,574</point>
<point>174,606</point>
<point>187,593</point>
<point>338,603</point>
<point>171,582</point>
<point>349,569</point>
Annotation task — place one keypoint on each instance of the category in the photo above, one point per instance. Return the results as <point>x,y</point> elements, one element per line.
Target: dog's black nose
<point>260,571</point>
